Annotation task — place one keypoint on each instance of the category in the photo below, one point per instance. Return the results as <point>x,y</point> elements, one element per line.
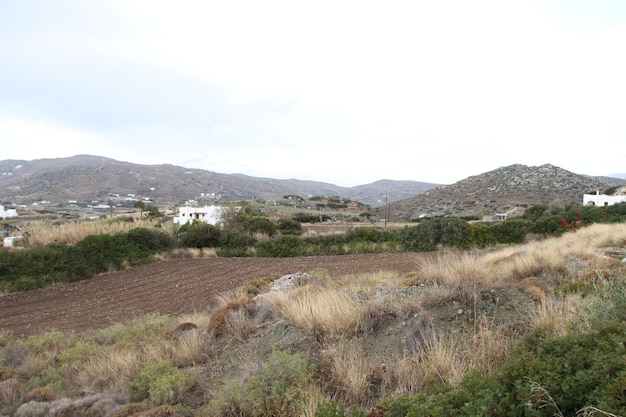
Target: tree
<point>153,211</point>
<point>141,206</point>
<point>289,227</point>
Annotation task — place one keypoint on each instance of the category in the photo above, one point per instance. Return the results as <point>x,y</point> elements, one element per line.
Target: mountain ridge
<point>95,178</point>
<point>89,177</point>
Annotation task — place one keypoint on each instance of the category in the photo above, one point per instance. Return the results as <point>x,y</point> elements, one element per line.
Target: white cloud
<point>345,92</point>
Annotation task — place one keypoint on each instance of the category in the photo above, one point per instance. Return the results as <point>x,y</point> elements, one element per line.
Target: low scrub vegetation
<point>535,329</point>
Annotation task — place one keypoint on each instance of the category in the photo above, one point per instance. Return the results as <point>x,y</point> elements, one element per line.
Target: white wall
<point>7,213</point>
<point>598,199</point>
<point>208,214</point>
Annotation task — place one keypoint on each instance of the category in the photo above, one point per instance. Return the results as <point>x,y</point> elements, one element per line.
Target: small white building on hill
<point>207,214</point>
<point>7,213</point>
<point>598,199</point>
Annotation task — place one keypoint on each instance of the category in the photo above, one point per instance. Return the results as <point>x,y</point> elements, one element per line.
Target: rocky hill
<point>501,191</point>
<point>94,178</point>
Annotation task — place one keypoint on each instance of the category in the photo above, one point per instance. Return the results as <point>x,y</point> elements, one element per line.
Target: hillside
<point>88,178</point>
<point>500,191</point>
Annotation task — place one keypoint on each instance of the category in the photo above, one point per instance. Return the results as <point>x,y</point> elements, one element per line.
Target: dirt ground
<point>172,287</point>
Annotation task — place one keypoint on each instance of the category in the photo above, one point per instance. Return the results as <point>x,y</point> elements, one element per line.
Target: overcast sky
<point>346,92</point>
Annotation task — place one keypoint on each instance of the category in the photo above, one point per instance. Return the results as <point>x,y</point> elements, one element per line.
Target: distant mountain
<point>500,191</point>
<point>94,178</point>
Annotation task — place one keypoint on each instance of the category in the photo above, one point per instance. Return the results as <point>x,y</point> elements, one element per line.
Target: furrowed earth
<point>172,287</point>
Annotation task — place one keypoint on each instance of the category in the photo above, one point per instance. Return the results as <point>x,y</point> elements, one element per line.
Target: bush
<point>290,227</point>
<point>161,383</point>
<point>431,233</point>
<point>233,242</point>
<point>150,239</point>
<point>260,225</point>
<point>199,235</point>
<point>282,246</point>
<point>279,389</point>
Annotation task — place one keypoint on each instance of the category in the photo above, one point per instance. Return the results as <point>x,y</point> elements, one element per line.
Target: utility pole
<point>386,210</point>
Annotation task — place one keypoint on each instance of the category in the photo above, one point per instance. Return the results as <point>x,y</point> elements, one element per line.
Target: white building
<point>598,199</point>
<point>7,213</point>
<point>207,214</point>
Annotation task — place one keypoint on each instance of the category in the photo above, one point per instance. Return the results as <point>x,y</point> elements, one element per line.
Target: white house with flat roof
<point>5,214</point>
<point>207,214</point>
<point>598,199</point>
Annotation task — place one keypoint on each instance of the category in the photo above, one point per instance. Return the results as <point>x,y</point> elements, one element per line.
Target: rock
<point>182,328</point>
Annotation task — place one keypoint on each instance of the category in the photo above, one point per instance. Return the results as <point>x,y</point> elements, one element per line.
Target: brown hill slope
<point>499,191</point>
<point>87,178</point>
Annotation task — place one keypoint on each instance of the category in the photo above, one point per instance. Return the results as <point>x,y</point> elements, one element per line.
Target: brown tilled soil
<point>171,287</point>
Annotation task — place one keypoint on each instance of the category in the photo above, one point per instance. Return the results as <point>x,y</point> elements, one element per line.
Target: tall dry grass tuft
<point>352,375</point>
<point>232,315</point>
<point>190,349</point>
<point>108,372</point>
<point>319,309</point>
<point>12,393</point>
<point>464,273</point>
<point>439,355</point>
<point>555,315</point>
<point>489,346</point>
<point>458,269</point>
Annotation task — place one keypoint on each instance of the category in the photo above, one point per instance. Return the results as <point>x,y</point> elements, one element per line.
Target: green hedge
<point>40,266</point>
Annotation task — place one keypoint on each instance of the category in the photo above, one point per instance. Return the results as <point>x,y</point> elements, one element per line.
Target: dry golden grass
<point>232,315</point>
<point>46,233</point>
<point>350,371</point>
<point>440,356</point>
<point>556,256</point>
<point>533,287</point>
<point>313,398</point>
<point>489,346</point>
<point>12,391</point>
<point>325,310</point>
<point>555,315</point>
<point>109,372</point>
<point>458,269</point>
<point>188,253</point>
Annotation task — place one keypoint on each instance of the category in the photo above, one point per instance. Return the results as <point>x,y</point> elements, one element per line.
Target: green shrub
<point>282,246</point>
<point>150,239</point>
<point>278,390</point>
<point>199,235</point>
<point>161,383</point>
<point>431,233</point>
<point>288,226</point>
<point>233,242</point>
<point>260,225</point>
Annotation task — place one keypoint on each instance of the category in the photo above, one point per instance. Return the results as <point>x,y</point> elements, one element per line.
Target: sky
<point>345,92</point>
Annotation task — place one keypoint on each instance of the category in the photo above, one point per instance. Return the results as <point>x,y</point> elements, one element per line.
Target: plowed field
<point>171,287</point>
